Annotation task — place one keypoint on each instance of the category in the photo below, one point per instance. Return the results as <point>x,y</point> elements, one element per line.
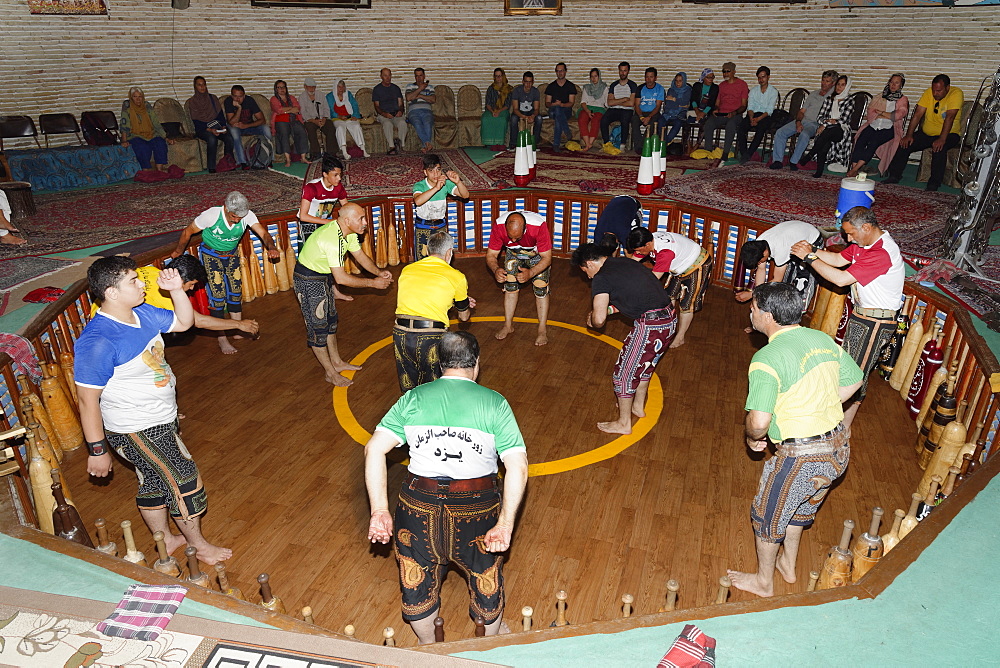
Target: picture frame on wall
<point>532,7</point>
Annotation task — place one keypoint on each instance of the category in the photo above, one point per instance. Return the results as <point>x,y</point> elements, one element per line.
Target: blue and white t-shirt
<point>648,97</point>
<point>127,362</point>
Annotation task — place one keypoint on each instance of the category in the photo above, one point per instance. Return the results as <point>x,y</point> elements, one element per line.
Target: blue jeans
<point>674,126</point>
<point>236,133</point>
<point>422,121</point>
<point>785,132</point>
<point>145,149</point>
<point>560,121</point>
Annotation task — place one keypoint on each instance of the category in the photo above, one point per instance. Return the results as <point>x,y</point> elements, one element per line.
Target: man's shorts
<point>514,261</point>
<point>319,310</point>
<point>863,341</point>
<point>792,488</point>
<point>433,530</point>
<point>689,289</point>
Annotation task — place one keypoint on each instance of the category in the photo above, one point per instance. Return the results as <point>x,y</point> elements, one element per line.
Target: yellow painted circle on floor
<point>654,406</point>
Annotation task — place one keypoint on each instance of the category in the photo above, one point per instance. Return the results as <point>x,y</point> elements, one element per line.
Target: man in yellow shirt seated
<point>936,124</point>
<point>428,288</point>
<point>192,273</point>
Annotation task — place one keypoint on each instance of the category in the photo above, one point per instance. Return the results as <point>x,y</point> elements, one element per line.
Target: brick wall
<point>63,63</point>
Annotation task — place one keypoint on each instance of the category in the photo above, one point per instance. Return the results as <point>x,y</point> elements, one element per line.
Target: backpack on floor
<point>259,152</point>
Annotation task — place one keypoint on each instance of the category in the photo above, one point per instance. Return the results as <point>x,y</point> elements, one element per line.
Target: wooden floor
<point>286,484</point>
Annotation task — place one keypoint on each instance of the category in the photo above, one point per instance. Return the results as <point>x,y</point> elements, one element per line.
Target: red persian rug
<point>115,214</point>
<point>396,174</point>
<point>914,217</point>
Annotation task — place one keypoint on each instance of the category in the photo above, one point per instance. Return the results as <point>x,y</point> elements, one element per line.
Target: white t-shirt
<point>884,123</point>
<point>879,271</point>
<point>783,236</point>
<point>685,251</point>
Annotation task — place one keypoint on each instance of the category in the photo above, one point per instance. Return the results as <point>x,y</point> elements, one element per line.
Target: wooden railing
<point>571,219</point>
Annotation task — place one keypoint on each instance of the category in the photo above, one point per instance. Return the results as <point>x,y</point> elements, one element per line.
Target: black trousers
<point>623,116</point>
<point>922,142</point>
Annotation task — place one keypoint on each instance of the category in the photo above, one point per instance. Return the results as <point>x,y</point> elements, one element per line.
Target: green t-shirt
<point>326,247</point>
<point>437,206</point>
<point>455,428</point>
<point>217,233</point>
<point>795,377</point>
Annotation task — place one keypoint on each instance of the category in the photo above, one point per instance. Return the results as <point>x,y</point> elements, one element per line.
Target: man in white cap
<point>316,116</point>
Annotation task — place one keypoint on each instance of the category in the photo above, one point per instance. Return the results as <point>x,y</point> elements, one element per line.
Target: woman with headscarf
<point>346,113</point>
<point>883,127</point>
<point>209,121</point>
<point>832,142</point>
<point>286,120</point>
<point>140,128</point>
<point>675,106</point>
<point>703,98</point>
<point>593,104</point>
<point>493,123</point>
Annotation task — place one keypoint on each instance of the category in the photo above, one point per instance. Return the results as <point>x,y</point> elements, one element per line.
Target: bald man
<point>524,238</point>
<point>320,264</point>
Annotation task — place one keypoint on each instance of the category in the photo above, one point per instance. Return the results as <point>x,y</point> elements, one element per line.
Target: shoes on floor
<point>776,165</point>
<point>611,149</point>
<point>716,154</point>
<point>792,166</point>
<point>932,187</point>
<point>891,179</point>
<point>700,154</point>
<point>745,158</point>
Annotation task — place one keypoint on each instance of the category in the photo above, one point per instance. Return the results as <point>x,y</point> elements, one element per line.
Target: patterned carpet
<point>396,174</point>
<point>13,274</point>
<point>583,172</point>
<point>914,217</point>
<point>119,213</point>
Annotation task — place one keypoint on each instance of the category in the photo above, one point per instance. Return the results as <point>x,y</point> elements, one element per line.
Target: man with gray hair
<point>317,118</point>
<point>450,507</point>
<point>805,125</point>
<point>428,288</point>
<point>222,228</point>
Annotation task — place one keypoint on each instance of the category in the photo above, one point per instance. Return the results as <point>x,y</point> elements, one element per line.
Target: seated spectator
<point>496,116</point>
<point>832,142</point>
<point>209,121</point>
<point>419,108</point>
<point>704,97</point>
<point>648,103</point>
<point>731,103</point>
<point>7,228</point>
<point>883,127</point>
<point>936,125</point>
<point>388,101</point>
<point>286,121</point>
<point>560,96</point>
<point>140,128</point>
<point>621,105</point>
<point>244,117</point>
<point>675,106</point>
<point>594,104</point>
<point>805,125</point>
<point>317,118</point>
<point>346,118</point>
<point>761,103</point>
<point>524,102</point>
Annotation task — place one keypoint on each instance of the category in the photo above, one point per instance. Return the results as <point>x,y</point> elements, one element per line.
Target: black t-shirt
<point>248,110</point>
<point>620,215</point>
<point>387,97</point>
<point>560,93</point>
<point>632,287</point>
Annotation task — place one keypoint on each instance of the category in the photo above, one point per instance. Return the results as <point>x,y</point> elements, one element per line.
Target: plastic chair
<point>15,127</point>
<point>59,124</point>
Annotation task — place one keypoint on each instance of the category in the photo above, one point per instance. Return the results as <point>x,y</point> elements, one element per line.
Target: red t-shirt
<point>536,234</point>
<point>322,201</point>
<point>731,95</point>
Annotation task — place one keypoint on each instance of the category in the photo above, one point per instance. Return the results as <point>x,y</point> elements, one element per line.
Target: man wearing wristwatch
<point>128,402</point>
<point>874,270</point>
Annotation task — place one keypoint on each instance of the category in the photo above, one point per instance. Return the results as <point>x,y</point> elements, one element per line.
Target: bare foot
<point>750,582</point>
<point>786,569</point>
<point>503,332</point>
<point>12,240</point>
<point>614,427</point>
<point>173,541</point>
<point>347,367</point>
<point>748,330</point>
<point>638,411</point>
<point>212,554</point>
<point>337,294</point>
<point>677,343</point>
<point>226,347</point>
<point>338,380</point>
<point>541,339</point>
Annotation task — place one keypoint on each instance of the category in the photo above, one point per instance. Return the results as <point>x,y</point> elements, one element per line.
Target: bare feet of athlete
<point>338,380</point>
<point>226,347</point>
<point>174,541</point>
<point>749,582</point>
<point>638,411</point>
<point>614,427</point>
<point>504,331</point>
<point>337,294</point>
<point>677,342</point>
<point>541,339</point>
<point>212,554</point>
<point>786,569</point>
<point>12,240</point>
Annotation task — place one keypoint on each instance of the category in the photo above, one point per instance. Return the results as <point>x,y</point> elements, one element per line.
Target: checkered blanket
<point>143,612</point>
<point>691,649</point>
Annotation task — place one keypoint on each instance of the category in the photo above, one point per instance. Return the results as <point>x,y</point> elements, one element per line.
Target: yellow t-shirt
<point>429,287</point>
<point>154,295</point>
<point>934,117</point>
